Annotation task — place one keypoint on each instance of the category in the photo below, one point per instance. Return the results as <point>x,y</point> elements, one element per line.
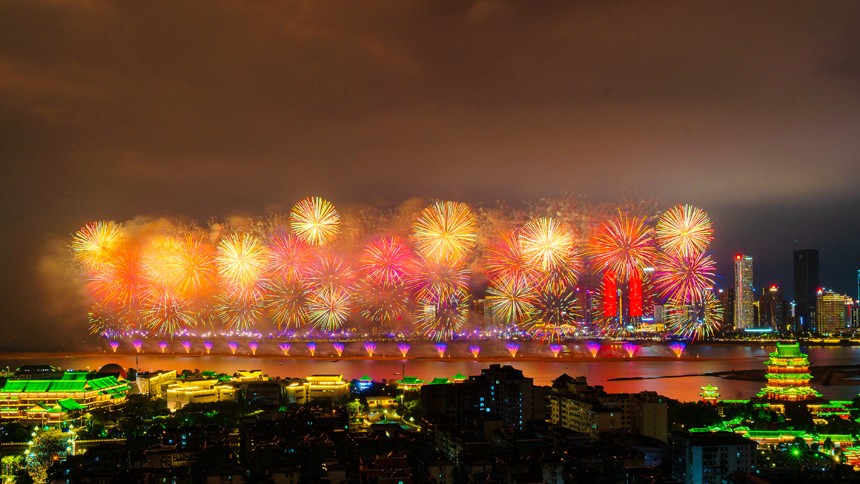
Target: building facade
<point>833,312</point>
<point>806,286</point>
<point>744,297</point>
<point>705,458</point>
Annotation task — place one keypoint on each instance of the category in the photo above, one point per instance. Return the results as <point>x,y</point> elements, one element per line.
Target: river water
<point>652,362</point>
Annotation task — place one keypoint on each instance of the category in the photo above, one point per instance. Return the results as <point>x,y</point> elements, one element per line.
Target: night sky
<point>749,110</point>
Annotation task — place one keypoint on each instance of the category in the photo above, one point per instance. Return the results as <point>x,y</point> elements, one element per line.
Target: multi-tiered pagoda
<point>788,376</point>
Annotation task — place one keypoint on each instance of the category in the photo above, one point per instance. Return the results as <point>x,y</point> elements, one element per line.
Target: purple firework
<point>404,348</point>
<point>285,347</point>
<point>513,348</point>
<point>208,346</point>
<point>253,345</point>
<point>312,347</point>
<point>441,348</point>
<point>630,348</point>
<point>678,347</point>
<point>163,346</point>
<point>593,348</point>
<point>556,349</point>
<point>137,344</point>
<point>114,345</point>
<point>475,350</point>
<point>370,347</point>
<point>187,345</point>
<point>338,347</point>
<point>233,345</point>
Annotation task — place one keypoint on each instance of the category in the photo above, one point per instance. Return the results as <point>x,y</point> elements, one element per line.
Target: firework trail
<point>630,348</point>
<point>137,345</point>
<point>312,347</point>
<point>338,348</point>
<point>445,231</point>
<point>285,347</point>
<point>593,348</point>
<point>475,350</point>
<point>233,345</point>
<point>684,230</point>
<point>163,346</point>
<point>208,346</point>
<point>315,221</point>
<point>370,347</point>
<point>187,345</point>
<point>678,347</point>
<point>513,348</point>
<point>404,348</point>
<point>441,348</point>
<point>114,345</point>
<point>556,349</point>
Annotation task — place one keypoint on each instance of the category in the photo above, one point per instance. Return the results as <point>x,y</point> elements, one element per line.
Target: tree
<point>353,408</point>
<point>44,449</point>
<point>13,465</point>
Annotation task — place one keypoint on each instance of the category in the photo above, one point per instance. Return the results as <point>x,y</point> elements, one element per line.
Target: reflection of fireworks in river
<point>404,348</point>
<point>208,346</point>
<point>513,348</point>
<point>475,350</point>
<point>187,345</point>
<point>441,348</point>
<point>114,345</point>
<point>253,345</point>
<point>678,347</point>
<point>338,348</point>
<point>370,347</point>
<point>630,348</point>
<point>593,348</point>
<point>556,349</point>
<point>233,345</point>
<point>312,347</point>
<point>163,346</point>
<point>285,347</point>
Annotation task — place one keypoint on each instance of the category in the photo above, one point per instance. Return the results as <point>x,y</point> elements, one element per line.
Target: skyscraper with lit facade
<point>805,288</point>
<point>744,297</point>
<point>833,312</point>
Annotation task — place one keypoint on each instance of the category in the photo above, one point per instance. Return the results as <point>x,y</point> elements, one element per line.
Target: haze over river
<point>652,363</point>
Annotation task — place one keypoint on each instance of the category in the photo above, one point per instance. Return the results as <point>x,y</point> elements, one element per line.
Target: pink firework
<point>630,348</point>
<point>312,347</point>
<point>208,346</point>
<point>137,344</point>
<point>285,347</point>
<point>475,350</point>
<point>338,347</point>
<point>404,348</point>
<point>163,346</point>
<point>233,345</point>
<point>441,348</point>
<point>114,345</point>
<point>678,347</point>
<point>513,348</point>
<point>289,257</point>
<point>593,348</point>
<point>253,345</point>
<point>504,259</point>
<point>370,347</point>
<point>384,261</point>
<point>556,349</point>
<point>331,271</point>
<point>187,345</point>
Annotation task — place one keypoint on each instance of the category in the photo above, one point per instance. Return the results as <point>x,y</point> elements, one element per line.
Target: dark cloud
<point>109,110</point>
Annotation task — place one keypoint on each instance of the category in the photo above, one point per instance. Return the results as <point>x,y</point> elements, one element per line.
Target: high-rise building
<point>727,300</point>
<point>772,308</point>
<point>833,312</point>
<point>709,456</point>
<point>744,297</point>
<point>806,285</point>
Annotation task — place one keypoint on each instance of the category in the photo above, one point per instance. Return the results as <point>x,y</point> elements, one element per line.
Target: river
<point>653,363</point>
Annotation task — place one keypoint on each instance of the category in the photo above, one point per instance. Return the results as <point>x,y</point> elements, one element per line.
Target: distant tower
<point>744,297</point>
<point>806,286</point>
<point>727,300</point>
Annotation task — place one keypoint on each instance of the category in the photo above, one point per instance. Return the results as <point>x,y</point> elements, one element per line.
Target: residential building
<point>576,406</point>
<point>706,458</point>
<point>649,415</point>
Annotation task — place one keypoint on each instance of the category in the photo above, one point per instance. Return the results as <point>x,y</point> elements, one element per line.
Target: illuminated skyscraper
<point>805,287</point>
<point>833,313</point>
<point>744,297</point>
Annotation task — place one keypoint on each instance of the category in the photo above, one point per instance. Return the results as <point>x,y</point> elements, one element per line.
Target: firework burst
<point>138,344</point>
<point>554,317</point>
<point>684,229</point>
<point>315,221</point>
<point>512,300</point>
<point>685,278</point>
<point>504,259</point>
<point>545,244</point>
<point>329,309</point>
<point>253,345</point>
<point>114,345</point>
<point>404,348</point>
<point>163,346</point>
<point>593,348</point>
<point>678,347</point>
<point>208,346</point>
<point>439,319</point>
<point>384,261</point>
<point>694,321</point>
<point>445,231</point>
<point>187,345</point>
<point>288,256</point>
<point>338,348</point>
<point>475,350</point>
<point>630,349</point>
<point>286,302</point>
<point>370,347</point>
<point>233,346</point>
<point>241,260</point>
<point>623,245</point>
<point>381,304</point>
<point>441,348</point>
<point>556,349</point>
<point>513,348</point>
<point>95,243</point>
<point>285,347</point>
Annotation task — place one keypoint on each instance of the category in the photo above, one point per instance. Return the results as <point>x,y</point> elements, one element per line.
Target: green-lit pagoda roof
<point>440,380</point>
<point>789,350</point>
<point>410,380</point>
<point>792,390</point>
<point>710,388</point>
<point>365,378</point>
<point>459,376</point>
<point>788,376</point>
<point>58,386</point>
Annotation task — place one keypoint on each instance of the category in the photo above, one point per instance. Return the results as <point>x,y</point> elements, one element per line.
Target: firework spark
<point>312,347</point>
<point>511,299</point>
<point>288,256</point>
<point>513,348</point>
<point>241,260</point>
<point>440,319</point>
<point>546,244</point>
<point>114,345</point>
<point>555,348</point>
<point>554,317</point>
<point>694,321</point>
<point>233,346</point>
<point>684,229</point>
<point>285,347</point>
<point>678,347</point>
<point>95,243</point>
<point>315,221</point>
<point>404,348</point>
<point>137,345</point>
<point>593,348</point>
<point>685,278</point>
<point>208,346</point>
<point>370,347</point>
<point>187,345</point>
<point>385,261</point>
<point>329,308</point>
<point>286,302</point>
<point>338,348</point>
<point>445,231</point>
<point>630,348</point>
<point>475,350</point>
<point>441,348</point>
<point>253,345</point>
<point>163,346</point>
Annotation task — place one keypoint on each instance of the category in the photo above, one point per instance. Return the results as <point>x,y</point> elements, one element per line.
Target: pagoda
<point>788,376</point>
<point>710,394</point>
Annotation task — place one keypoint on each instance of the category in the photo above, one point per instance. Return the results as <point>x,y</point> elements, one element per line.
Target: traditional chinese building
<point>788,376</point>
<point>710,394</point>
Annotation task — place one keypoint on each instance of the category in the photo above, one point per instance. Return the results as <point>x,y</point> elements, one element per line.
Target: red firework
<point>623,245</point>
<point>289,256</point>
<point>385,260</point>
